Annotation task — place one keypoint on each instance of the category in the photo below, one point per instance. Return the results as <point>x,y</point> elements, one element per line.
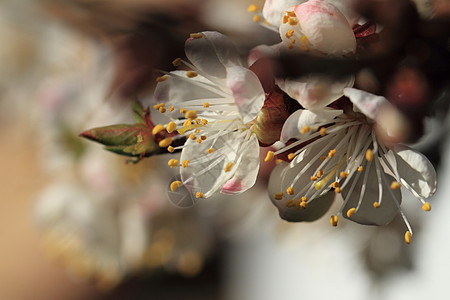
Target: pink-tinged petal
<point>212,53</point>
<point>325,27</point>
<point>367,103</point>
<point>247,169</point>
<point>314,92</point>
<point>263,51</point>
<point>302,117</point>
<point>274,9</point>
<point>247,91</point>
<point>416,170</point>
<point>367,214</point>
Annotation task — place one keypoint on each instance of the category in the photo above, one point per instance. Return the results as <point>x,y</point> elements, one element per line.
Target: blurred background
<point>78,222</point>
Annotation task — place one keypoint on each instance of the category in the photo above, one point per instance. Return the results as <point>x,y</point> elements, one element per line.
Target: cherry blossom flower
<point>214,105</point>
<point>337,151</point>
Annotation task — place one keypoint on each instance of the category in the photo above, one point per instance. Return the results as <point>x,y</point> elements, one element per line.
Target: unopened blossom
<point>317,27</point>
<point>214,105</point>
<point>337,151</point>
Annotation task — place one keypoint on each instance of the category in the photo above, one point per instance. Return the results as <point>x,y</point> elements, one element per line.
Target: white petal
<point>416,170</point>
<point>315,91</point>
<point>367,214</point>
<point>302,117</point>
<point>246,170</point>
<point>212,53</point>
<point>261,51</point>
<point>247,91</point>
<point>273,9</point>
<point>346,8</point>
<point>325,27</point>
<point>369,104</point>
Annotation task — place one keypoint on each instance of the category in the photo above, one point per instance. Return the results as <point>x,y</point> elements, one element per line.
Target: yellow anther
<point>303,204</point>
<point>360,169</point>
<point>290,190</point>
<point>256,18</point>
<point>292,21</point>
<point>252,8</point>
<point>165,142</point>
<point>426,206</point>
<point>183,110</point>
<point>303,199</point>
<point>185,163</point>
<point>376,204</point>
<point>157,106</point>
<point>191,74</point>
<point>173,163</point>
<point>187,123</point>
<point>197,131</point>
<point>323,157</point>
<point>293,41</point>
<point>291,14</point>
<point>157,128</point>
<point>204,121</point>
<point>174,185</point>
<point>290,203</point>
<point>297,204</point>
<point>190,114</point>
<point>290,46</point>
<point>162,110</point>
<point>285,19</point>
<point>350,212</point>
<point>291,156</point>
<point>199,195</point>
<point>337,190</point>
<point>228,167</point>
<point>196,122</point>
<point>290,33</point>
<point>408,237</point>
<point>196,35</point>
<point>269,156</point>
<point>171,108</point>
<point>161,78</point>
<point>277,161</point>
<point>192,136</point>
<point>199,140</point>
<point>206,105</point>
<point>331,153</point>
<point>335,184</point>
<point>278,196</point>
<point>334,221</point>
<point>319,173</point>
<point>395,185</point>
<point>313,178</point>
<point>171,127</point>
<point>323,131</point>
<point>203,137</point>
<point>210,150</point>
<point>343,174</point>
<point>170,149</point>
<point>176,62</point>
<point>369,155</point>
<point>305,129</point>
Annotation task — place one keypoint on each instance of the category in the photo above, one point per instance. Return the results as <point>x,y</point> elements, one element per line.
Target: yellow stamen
<point>158,128</point>
<point>337,190</point>
<point>290,33</point>
<point>278,196</point>
<point>408,237</point>
<point>204,121</point>
<point>323,131</point>
<point>303,199</point>
<point>183,110</point>
<point>291,156</point>
<point>395,185</point>
<point>331,153</point>
<point>335,184</point>
<point>285,19</point>
<point>176,62</point>
<point>199,195</point>
<point>210,150</point>
<point>303,204</point>
<point>369,155</point>
<point>173,163</point>
<point>196,35</point>
<point>318,185</point>
<point>228,166</point>
<point>291,14</point>
<point>293,41</point>
<point>319,173</point>
<point>313,178</point>
<point>206,105</point>
<point>157,106</point>
<point>376,204</point>
<point>197,131</point>
<point>426,206</point>
<point>171,108</point>
<point>334,221</point>
<point>343,174</point>
<point>185,163</point>
<point>190,114</point>
<point>292,22</point>
<point>350,212</point>
<point>170,149</point>
<point>290,190</point>
<point>186,123</point>
<point>191,74</point>
<point>171,127</point>
<point>277,161</point>
<point>199,140</point>
<point>252,8</point>
<point>269,157</point>
<point>290,46</point>
<point>305,129</point>
<point>161,78</point>
<point>192,136</point>
<point>162,110</point>
<point>165,142</point>
<point>256,18</point>
<point>360,169</point>
<point>290,203</point>
<point>323,157</point>
<point>174,185</point>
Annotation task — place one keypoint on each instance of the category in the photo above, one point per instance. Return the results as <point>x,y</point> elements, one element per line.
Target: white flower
<point>338,151</point>
<point>317,27</point>
<point>219,100</point>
